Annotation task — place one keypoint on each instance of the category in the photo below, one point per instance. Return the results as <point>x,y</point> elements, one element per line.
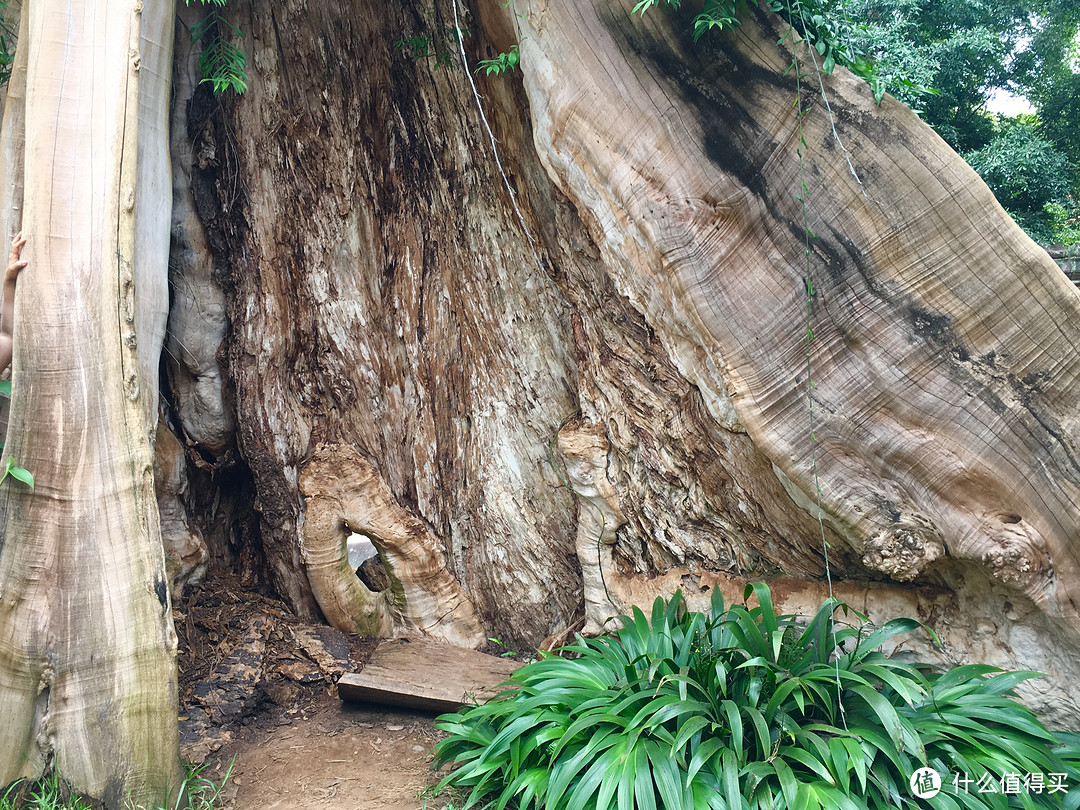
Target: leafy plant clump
<point>742,709</point>
<point>501,63</point>
<point>9,467</point>
<point>52,792</point>
<point>824,25</point>
<point>221,61</point>
<point>198,791</point>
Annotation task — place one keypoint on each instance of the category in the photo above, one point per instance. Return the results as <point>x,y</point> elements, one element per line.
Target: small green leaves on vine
<point>16,472</point>
<point>221,62</point>
<point>425,46</point>
<point>506,653</point>
<point>418,47</point>
<point>832,34</point>
<point>10,468</point>
<point>502,62</point>
<point>645,5</point>
<point>718,14</point>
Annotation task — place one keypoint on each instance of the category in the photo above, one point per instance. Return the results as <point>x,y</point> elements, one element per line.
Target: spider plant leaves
<point>702,755</point>
<point>731,713</point>
<point>666,777</point>
<point>761,730</point>
<point>964,674</point>
<point>786,777</point>
<point>740,708</point>
<point>765,607</point>
<point>644,793</point>
<point>732,788</point>
<point>565,769</point>
<point>528,787</point>
<point>887,631</point>
<point>886,714</point>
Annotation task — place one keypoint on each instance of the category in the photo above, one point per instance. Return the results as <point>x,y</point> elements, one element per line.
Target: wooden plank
<point>419,673</point>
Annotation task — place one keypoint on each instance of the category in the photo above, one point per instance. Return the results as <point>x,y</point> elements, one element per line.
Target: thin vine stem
<point>808,283</point>
<point>536,258</point>
<point>825,98</point>
<point>498,161</point>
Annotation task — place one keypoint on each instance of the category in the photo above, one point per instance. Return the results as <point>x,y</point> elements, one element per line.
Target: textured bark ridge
<point>344,494</point>
<point>197,321</point>
<point>204,493</point>
<point>625,412</point>
<point>186,554</point>
<point>382,298</point>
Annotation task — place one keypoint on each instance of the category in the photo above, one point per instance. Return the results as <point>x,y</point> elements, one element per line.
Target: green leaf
<point>885,711</point>
<point>691,727</point>
<point>806,759</point>
<point>627,782</point>
<point>704,753</point>
<point>731,780</point>
<point>764,599</point>
<point>610,765</point>
<point>891,628</point>
<point>666,776</point>
<point>786,778</point>
<point>734,719</point>
<point>597,777</point>
<point>857,759</point>
<point>20,474</point>
<point>644,792</point>
<point>761,727</point>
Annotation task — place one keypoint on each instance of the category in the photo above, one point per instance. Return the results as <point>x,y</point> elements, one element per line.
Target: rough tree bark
<point>390,324</point>
<point>87,648</point>
<point>360,317</point>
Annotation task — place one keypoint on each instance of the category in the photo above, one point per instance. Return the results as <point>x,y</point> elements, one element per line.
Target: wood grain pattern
<point>382,295</point>
<point>87,647</point>
<point>420,674</point>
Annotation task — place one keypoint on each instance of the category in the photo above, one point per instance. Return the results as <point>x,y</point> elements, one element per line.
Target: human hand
<point>15,264</point>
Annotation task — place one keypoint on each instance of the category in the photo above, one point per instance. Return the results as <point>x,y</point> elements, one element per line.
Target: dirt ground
<point>257,692</point>
<point>337,756</point>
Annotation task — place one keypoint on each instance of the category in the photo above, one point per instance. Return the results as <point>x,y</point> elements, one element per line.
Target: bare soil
<point>337,756</point>
<point>257,692</point>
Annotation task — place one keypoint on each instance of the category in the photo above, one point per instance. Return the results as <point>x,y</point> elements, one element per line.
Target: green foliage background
<point>970,49</point>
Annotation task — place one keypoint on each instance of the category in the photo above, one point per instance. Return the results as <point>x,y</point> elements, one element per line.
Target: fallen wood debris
<point>418,673</point>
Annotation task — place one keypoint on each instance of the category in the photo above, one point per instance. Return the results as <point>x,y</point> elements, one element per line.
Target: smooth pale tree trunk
<point>87,647</point>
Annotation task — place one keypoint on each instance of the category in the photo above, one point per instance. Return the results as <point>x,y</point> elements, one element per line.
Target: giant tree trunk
<point>87,648</point>
<point>406,367</point>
